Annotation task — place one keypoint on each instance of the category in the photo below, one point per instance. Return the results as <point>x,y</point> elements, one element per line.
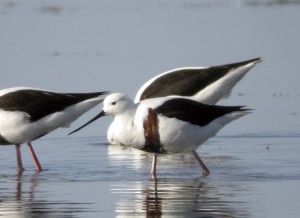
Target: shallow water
<point>71,46</point>
<point>251,176</point>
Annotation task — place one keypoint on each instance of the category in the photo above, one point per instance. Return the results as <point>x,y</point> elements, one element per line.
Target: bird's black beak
<point>101,114</point>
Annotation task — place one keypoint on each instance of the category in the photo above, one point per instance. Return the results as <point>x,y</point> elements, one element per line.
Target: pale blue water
<point>251,177</point>
<point>78,46</point>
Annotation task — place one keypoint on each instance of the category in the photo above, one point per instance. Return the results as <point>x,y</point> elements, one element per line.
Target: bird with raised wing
<point>204,84</point>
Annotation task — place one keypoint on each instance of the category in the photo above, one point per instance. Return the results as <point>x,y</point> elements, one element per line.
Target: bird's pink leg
<point>36,160</point>
<point>19,160</point>
<point>153,169</point>
<point>205,169</point>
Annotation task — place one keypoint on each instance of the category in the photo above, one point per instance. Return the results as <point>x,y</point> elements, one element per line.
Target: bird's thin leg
<point>19,160</point>
<point>36,160</point>
<point>153,169</point>
<point>205,169</point>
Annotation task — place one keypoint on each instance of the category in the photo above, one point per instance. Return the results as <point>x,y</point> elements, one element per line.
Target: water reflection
<point>17,199</point>
<point>176,198</point>
<point>12,196</point>
<point>178,191</point>
<point>92,179</point>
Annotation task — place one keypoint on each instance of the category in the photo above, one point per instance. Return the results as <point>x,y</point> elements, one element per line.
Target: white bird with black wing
<point>172,119</point>
<point>203,84</point>
<point>165,124</point>
<point>27,114</point>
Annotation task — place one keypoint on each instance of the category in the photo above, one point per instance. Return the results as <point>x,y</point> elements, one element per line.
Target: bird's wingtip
<point>256,60</point>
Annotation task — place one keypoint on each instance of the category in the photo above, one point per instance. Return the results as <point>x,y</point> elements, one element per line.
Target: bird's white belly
<point>180,136</point>
<point>125,132</point>
<point>111,136</point>
<point>15,126</point>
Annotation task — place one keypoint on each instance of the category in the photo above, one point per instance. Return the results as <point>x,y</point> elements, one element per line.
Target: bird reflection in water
<point>13,203</point>
<point>176,198</point>
<point>153,203</point>
<point>19,201</point>
<point>185,195</point>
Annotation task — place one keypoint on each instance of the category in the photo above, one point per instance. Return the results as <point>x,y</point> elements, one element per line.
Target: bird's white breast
<point>13,126</point>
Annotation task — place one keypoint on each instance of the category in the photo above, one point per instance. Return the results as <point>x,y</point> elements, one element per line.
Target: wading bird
<point>27,114</point>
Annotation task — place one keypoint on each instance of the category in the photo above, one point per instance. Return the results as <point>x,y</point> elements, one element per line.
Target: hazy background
<point>117,45</point>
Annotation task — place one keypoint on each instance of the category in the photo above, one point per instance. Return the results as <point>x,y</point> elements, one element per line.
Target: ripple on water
<point>87,178</point>
<point>176,198</point>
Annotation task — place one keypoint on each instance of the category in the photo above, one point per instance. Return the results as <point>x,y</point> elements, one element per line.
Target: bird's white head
<point>117,103</point>
<point>113,104</point>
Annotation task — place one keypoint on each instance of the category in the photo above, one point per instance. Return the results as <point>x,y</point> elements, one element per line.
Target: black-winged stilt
<point>204,84</point>
<point>27,114</point>
<point>165,124</point>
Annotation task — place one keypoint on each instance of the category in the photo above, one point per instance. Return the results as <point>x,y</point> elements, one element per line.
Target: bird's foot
<point>20,170</point>
<point>153,175</point>
<point>39,170</point>
<point>205,173</point>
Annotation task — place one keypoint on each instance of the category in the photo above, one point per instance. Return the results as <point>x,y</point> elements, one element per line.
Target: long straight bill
<point>101,114</point>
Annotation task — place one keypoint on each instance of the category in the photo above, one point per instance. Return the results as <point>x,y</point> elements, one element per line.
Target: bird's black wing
<point>194,112</point>
<point>188,81</point>
<point>39,103</point>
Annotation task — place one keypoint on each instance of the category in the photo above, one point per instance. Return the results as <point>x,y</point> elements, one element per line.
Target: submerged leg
<point>19,160</point>
<point>36,161</point>
<point>153,169</point>
<point>205,169</point>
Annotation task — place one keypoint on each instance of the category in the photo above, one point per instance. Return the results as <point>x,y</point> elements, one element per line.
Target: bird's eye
<point>113,103</point>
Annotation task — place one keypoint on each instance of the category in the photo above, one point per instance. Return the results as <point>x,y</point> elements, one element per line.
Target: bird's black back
<point>39,103</point>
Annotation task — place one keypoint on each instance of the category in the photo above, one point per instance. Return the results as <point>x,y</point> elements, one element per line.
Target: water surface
<point>251,177</point>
